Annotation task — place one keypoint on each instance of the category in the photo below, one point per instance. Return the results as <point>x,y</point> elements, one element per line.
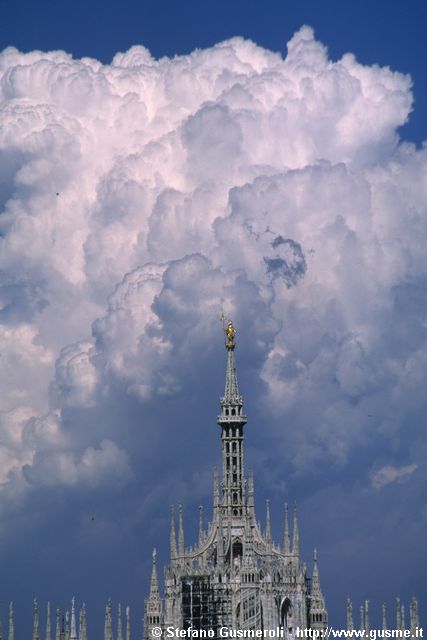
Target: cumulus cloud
<point>388,475</point>
<point>106,465</point>
<point>143,197</point>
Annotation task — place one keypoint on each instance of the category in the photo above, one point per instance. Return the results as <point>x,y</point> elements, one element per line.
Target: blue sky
<point>271,177</point>
<point>385,32</point>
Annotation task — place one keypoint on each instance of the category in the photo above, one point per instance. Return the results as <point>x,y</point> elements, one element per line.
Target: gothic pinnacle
<point>215,493</point>
<point>48,627</point>
<point>384,617</point>
<point>58,625</point>
<point>11,635</point>
<point>315,581</point>
<point>173,535</point>
<point>108,625</point>
<point>119,623</point>
<point>251,504</point>
<point>128,623</point>
<point>201,536</point>
<point>181,547</point>
<point>398,614</point>
<point>67,625</point>
<point>295,541</point>
<point>220,541</point>
<point>36,625</point>
<point>268,523</point>
<point>231,391</point>
<point>286,538</point>
<point>414,618</point>
<point>73,629</point>
<point>350,626</point>
<point>154,586</point>
<point>367,617</point>
<point>83,626</point>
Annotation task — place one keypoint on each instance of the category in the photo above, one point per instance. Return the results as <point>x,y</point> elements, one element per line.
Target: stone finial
<point>295,541</point>
<point>127,623</point>
<point>201,532</point>
<point>73,628</point>
<point>154,584</point>
<point>181,548</point>
<point>119,623</point>
<point>58,625</point>
<point>384,617</point>
<point>48,623</point>
<point>414,617</point>
<point>268,522</point>
<point>286,537</point>
<point>350,625</point>
<point>83,624</point>
<point>367,616</point>
<point>36,623</point>
<point>108,624</point>
<point>173,550</point>
<point>11,634</point>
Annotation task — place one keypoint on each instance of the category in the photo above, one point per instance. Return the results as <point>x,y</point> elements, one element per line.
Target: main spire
<point>231,401</point>
<point>232,420</point>
<point>231,392</point>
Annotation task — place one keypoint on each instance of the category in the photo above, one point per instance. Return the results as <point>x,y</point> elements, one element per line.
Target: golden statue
<point>230,332</point>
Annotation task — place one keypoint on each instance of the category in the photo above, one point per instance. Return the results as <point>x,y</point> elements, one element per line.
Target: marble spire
<point>173,551</point>
<point>36,623</point>
<point>48,623</point>
<point>295,541</point>
<point>11,635</point>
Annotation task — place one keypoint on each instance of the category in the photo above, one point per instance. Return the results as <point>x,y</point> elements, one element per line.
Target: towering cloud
<point>142,198</point>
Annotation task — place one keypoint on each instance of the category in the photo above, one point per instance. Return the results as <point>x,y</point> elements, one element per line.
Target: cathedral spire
<point>119,623</point>
<point>48,627</point>
<point>58,625</point>
<point>181,547</point>
<point>251,502</point>
<point>319,616</point>
<point>11,635</point>
<point>173,534</point>
<point>153,606</point>
<point>384,616</point>
<point>398,614</point>
<point>128,623</point>
<point>367,626</point>
<point>315,580</point>
<point>268,522</point>
<point>83,624</point>
<point>220,541</point>
<point>295,541</point>
<point>67,625</point>
<point>350,625</point>
<point>231,420</point>
<point>286,538</point>
<point>36,624</point>
<point>201,532</point>
<point>414,618</point>
<point>73,630</point>
<point>215,494</point>
<point>231,391</point>
<point>108,625</point>
<point>154,585</point>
